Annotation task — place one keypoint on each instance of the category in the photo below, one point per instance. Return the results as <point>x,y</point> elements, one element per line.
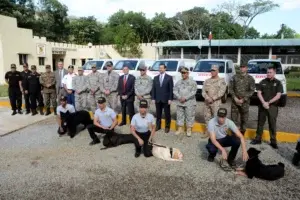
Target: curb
<point>201,127</point>
<point>293,94</point>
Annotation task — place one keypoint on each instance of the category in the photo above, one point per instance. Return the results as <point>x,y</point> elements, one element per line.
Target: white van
<point>173,66</point>
<point>202,69</point>
<point>258,70</point>
<point>100,65</point>
<point>133,64</point>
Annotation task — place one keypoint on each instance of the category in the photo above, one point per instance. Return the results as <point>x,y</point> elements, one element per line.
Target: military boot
<point>33,112</point>
<point>179,131</point>
<point>54,110</point>
<point>48,112</point>
<point>189,132</point>
<point>42,110</point>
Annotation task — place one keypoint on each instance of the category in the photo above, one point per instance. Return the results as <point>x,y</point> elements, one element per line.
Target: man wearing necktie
<point>162,96</point>
<point>59,75</point>
<point>126,93</point>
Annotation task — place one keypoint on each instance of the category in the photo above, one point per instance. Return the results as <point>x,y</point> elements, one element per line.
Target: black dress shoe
<point>274,145</point>
<point>137,154</point>
<point>94,142</point>
<point>157,128</point>
<point>34,113</point>
<point>210,158</point>
<point>20,112</point>
<point>167,130</point>
<point>254,142</point>
<point>14,113</point>
<point>27,112</point>
<point>122,124</point>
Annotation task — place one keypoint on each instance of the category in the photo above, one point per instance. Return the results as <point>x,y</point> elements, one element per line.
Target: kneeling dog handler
<point>143,129</point>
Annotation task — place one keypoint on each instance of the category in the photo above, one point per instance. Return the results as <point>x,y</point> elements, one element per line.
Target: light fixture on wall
<point>90,45</point>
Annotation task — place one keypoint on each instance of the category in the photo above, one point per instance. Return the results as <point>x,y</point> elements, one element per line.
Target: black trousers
<point>36,97</point>
<point>228,141</point>
<point>27,103</point>
<point>146,147</point>
<point>15,98</point>
<point>160,106</point>
<point>130,106</point>
<point>93,128</point>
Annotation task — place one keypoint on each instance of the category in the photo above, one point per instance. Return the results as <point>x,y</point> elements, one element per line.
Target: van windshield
<point>205,66</point>
<point>130,63</point>
<point>171,65</point>
<point>88,65</point>
<point>261,67</point>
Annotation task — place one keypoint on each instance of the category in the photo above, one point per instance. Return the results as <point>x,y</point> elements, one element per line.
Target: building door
<point>82,62</point>
<point>53,64</point>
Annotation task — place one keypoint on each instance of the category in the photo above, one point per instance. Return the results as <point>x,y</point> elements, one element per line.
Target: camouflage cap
<point>109,64</point>
<point>142,67</point>
<point>222,112</point>
<point>32,67</point>
<point>63,98</point>
<point>143,103</point>
<point>184,69</point>
<point>214,67</point>
<point>79,68</point>
<point>48,67</point>
<point>101,100</point>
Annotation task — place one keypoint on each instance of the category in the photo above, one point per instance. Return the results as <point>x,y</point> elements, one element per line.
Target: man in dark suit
<point>162,96</point>
<point>59,75</point>
<point>126,92</point>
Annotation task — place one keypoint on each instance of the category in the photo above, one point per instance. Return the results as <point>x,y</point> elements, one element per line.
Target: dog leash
<point>226,167</point>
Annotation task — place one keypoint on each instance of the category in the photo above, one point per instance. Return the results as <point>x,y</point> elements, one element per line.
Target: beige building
<point>18,45</point>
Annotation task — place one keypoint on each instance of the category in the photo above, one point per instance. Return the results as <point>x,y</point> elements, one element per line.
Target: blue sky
<point>288,13</point>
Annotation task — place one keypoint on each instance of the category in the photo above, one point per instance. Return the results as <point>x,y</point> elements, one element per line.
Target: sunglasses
<point>142,70</point>
<point>243,66</point>
<point>183,72</point>
<point>212,70</point>
<point>93,67</point>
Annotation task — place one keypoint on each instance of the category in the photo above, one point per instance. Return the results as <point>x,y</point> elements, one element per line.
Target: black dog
<point>255,168</point>
<point>115,139</point>
<point>296,158</point>
<point>70,121</point>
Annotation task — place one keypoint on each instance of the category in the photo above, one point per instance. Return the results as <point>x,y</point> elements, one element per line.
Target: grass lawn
<point>3,91</point>
<point>293,84</point>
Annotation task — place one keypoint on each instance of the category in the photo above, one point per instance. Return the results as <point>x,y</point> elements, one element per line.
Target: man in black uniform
<point>13,79</point>
<point>33,88</point>
<point>25,74</point>
<point>269,92</point>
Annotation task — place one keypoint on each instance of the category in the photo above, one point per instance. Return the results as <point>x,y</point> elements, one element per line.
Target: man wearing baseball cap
<point>219,129</point>
<point>63,108</point>
<point>80,86</point>
<point>105,120</point>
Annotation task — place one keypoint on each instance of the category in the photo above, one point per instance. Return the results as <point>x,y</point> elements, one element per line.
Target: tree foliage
<point>231,20</point>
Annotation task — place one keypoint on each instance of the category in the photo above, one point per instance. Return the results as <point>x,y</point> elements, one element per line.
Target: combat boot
<point>179,131</point>
<point>48,112</point>
<point>189,132</point>
<point>33,112</point>
<point>41,110</point>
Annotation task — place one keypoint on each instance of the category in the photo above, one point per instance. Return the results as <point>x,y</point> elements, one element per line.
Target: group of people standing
<point>96,89</point>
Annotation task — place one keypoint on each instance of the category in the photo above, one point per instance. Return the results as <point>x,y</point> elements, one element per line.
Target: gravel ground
<point>288,118</point>
<point>37,164</point>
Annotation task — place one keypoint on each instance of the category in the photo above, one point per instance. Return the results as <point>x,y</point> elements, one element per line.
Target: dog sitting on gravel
<point>255,168</point>
<point>115,139</point>
<point>166,153</point>
<point>70,121</point>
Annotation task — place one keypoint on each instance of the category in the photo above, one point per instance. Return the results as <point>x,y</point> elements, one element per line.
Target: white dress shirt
<point>67,80</point>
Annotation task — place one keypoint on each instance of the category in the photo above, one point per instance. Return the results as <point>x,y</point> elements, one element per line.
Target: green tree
<point>161,27</point>
<point>52,20</point>
<point>84,30</point>
<point>297,35</point>
<point>284,31</point>
<point>127,42</point>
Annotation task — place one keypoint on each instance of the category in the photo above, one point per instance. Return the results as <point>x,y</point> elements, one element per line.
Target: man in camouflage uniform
<point>93,84</point>
<point>142,87</point>
<point>109,86</point>
<point>185,91</point>
<point>80,87</point>
<point>241,88</point>
<point>213,90</point>
<point>47,80</point>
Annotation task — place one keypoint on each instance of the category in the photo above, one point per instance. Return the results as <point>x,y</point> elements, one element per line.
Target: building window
<point>23,58</point>
<point>41,61</point>
<point>61,60</point>
<point>73,62</point>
